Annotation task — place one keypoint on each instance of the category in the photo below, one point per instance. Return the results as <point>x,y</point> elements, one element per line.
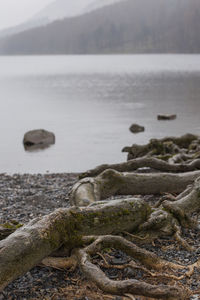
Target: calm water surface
<point>89,102</point>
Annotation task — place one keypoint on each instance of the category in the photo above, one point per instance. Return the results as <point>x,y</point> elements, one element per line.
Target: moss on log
<point>25,248</point>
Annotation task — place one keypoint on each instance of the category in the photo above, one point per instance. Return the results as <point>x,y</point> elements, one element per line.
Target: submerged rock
<point>38,139</point>
<point>135,128</point>
<point>166,117</point>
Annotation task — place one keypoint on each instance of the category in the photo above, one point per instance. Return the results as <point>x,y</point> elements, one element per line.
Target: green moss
<point>164,157</point>
<point>13,225</point>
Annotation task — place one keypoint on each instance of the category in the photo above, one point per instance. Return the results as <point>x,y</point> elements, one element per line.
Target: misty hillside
<point>131,26</point>
<point>58,9</point>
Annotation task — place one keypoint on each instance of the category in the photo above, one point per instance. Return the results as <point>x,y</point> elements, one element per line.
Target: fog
<point>13,12</point>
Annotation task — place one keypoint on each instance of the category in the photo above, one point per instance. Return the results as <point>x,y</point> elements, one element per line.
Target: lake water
<point>89,102</point>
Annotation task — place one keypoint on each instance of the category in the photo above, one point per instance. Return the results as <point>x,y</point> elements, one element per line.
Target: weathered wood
<point>111,183</point>
<point>150,162</point>
<point>26,248</point>
<point>131,286</point>
<point>167,145</point>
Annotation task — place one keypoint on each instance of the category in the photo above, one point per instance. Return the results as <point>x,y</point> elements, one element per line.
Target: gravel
<point>24,197</point>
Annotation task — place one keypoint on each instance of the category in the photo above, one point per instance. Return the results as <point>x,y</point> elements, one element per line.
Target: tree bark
<point>150,162</point>
<point>110,182</point>
<point>26,248</point>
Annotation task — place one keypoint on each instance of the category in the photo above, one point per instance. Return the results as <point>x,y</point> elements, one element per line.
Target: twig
<point>101,255</point>
<point>135,236</point>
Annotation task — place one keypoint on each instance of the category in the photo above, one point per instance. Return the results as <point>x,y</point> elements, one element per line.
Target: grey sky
<point>13,12</point>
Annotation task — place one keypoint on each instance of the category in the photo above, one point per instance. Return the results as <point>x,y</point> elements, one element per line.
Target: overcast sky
<point>13,12</point>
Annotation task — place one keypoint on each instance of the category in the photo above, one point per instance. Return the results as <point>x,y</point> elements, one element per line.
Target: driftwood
<point>166,117</point>
<point>91,225</point>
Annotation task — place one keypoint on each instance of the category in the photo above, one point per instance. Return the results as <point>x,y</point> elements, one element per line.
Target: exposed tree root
<point>192,267</point>
<point>60,262</point>
<point>150,162</point>
<point>181,241</point>
<point>29,245</point>
<point>91,225</point>
<point>110,182</point>
<point>145,257</point>
<point>165,148</point>
<point>132,286</point>
<point>133,265</point>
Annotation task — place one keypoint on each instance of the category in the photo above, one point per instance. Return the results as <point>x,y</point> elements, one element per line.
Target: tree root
<point>111,182</point>
<point>60,262</point>
<point>164,148</point>
<point>149,162</point>
<point>29,245</point>
<point>192,267</point>
<point>78,231</point>
<point>181,241</point>
<point>132,286</point>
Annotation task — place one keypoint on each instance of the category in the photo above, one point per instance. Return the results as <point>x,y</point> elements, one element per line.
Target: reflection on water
<point>90,103</point>
<point>35,148</point>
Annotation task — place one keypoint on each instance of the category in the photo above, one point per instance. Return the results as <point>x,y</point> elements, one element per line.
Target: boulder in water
<point>38,139</point>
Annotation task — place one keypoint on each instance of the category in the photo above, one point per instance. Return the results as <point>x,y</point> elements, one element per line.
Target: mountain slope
<point>60,9</point>
<point>56,10</point>
<point>130,26</point>
<point>100,3</point>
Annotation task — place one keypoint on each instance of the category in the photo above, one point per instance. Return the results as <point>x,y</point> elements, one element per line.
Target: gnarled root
<point>60,262</point>
<point>164,148</point>
<point>29,245</point>
<point>132,286</point>
<point>149,162</point>
<point>111,182</point>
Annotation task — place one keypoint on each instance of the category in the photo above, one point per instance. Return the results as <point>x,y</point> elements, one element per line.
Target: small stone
<point>118,261</point>
<point>135,128</point>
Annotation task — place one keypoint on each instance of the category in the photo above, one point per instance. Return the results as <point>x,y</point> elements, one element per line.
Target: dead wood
<point>149,162</point>
<point>164,148</point>
<point>110,182</point>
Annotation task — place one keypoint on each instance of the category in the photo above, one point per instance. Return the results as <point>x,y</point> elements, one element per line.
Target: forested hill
<point>131,26</point>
